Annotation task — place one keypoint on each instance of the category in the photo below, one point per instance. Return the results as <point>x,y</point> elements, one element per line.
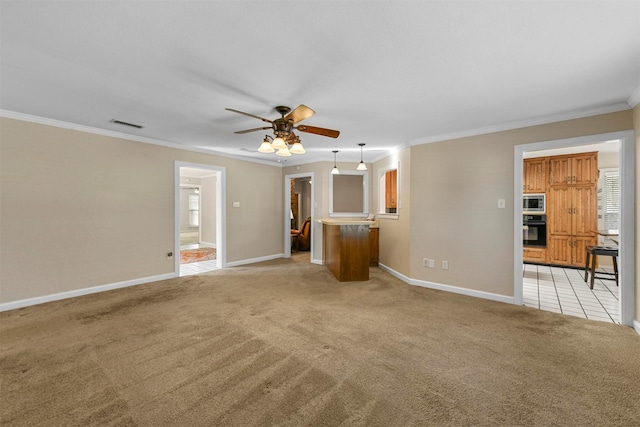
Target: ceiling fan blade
<point>250,115</point>
<point>319,131</point>
<point>253,130</point>
<point>299,114</point>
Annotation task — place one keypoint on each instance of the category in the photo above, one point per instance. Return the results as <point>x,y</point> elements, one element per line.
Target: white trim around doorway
<point>287,218</point>
<point>221,222</point>
<point>627,223</point>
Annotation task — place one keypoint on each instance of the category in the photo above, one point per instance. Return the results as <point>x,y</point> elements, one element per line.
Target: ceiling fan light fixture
<point>284,152</point>
<point>361,165</point>
<point>297,148</point>
<point>279,144</point>
<point>266,147</point>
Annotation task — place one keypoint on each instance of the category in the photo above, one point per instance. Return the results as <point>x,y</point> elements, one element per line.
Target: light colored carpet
<point>283,343</point>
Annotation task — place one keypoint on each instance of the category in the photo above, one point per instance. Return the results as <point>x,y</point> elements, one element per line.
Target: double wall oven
<point>534,220</point>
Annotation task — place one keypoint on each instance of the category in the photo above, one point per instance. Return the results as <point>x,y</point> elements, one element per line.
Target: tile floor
<point>563,290</point>
<point>196,267</point>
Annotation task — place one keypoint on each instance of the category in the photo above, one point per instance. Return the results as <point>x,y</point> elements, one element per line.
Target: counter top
<point>348,221</point>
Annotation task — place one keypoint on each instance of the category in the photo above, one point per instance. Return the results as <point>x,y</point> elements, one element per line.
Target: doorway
<point>627,225</point>
<point>299,203</point>
<point>199,215</point>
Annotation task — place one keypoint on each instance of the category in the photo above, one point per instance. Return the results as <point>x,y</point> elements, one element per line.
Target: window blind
<point>611,195</point>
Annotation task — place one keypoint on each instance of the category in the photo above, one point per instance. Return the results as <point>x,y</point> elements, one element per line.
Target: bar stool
<point>592,254</point>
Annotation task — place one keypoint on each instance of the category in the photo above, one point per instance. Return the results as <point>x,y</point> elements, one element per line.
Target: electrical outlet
<point>431,263</point>
<point>445,265</point>
<point>169,255</point>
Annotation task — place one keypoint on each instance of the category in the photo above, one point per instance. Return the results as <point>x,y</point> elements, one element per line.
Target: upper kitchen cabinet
<point>577,169</point>
<point>535,175</point>
<point>572,208</point>
<point>391,193</point>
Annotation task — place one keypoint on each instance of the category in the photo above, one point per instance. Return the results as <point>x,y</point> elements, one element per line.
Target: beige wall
<point>455,186</point>
<point>636,126</point>
<point>80,210</point>
<point>395,231</point>
<point>322,172</point>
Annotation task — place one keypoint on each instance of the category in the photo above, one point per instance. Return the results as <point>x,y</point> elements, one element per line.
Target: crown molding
<point>613,108</point>
<point>121,135</point>
<point>634,99</point>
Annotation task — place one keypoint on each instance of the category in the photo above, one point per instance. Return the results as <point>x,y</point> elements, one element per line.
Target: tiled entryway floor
<point>563,290</point>
<point>196,267</point>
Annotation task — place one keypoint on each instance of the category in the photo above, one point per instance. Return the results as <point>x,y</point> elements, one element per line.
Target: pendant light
<point>361,165</point>
<point>335,170</point>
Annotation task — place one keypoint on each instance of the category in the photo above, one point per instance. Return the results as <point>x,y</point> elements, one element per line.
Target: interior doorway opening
<point>624,155</point>
<point>199,219</point>
<point>299,205</point>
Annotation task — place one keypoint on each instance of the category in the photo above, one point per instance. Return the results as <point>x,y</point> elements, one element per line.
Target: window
<point>611,200</point>
<point>194,210</point>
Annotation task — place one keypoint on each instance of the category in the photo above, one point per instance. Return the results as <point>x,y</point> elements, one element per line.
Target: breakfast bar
<point>346,248</point>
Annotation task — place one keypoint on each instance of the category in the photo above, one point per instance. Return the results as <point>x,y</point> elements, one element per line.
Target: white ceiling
<point>384,73</point>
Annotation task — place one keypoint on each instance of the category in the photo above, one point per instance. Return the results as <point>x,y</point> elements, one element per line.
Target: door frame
<point>287,217</point>
<point>221,220</point>
<point>626,160</point>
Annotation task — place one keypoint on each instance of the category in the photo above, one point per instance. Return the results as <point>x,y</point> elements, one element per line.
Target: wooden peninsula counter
<point>346,248</point>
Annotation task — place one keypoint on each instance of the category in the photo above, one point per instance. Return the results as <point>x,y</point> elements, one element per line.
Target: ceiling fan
<point>283,129</point>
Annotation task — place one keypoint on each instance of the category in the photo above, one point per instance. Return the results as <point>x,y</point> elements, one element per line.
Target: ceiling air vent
<point>120,122</point>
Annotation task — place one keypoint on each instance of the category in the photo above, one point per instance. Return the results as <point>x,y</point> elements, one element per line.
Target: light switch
<point>501,204</point>
<point>236,204</point>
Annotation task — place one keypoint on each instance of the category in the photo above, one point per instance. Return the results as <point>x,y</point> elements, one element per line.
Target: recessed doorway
<point>199,218</point>
<point>626,259</point>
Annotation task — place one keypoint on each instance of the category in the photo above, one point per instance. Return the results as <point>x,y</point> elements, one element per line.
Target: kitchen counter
<point>346,248</point>
<point>347,221</point>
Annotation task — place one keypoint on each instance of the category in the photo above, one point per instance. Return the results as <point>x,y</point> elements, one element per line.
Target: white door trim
<point>221,219</point>
<point>627,223</point>
<point>287,207</point>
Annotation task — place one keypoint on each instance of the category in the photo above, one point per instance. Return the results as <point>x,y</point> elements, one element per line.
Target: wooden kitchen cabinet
<point>572,208</point>
<point>374,244</point>
<point>576,169</point>
<point>391,191</point>
<point>535,175</point>
<point>532,254</point>
<point>568,250</point>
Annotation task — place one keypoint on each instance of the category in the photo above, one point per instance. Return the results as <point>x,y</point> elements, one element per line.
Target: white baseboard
<point>317,261</point>
<point>253,260</point>
<point>213,245</point>
<point>449,288</point>
<point>85,291</point>
<point>636,326</point>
